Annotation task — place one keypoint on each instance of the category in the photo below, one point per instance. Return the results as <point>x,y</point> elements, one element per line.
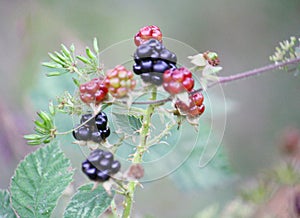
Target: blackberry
<point>83,133</point>
<point>101,121</point>
<point>95,129</point>
<point>152,59</point>
<point>100,165</point>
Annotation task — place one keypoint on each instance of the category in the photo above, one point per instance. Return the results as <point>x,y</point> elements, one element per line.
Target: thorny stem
<point>226,79</point>
<point>140,150</point>
<point>250,73</point>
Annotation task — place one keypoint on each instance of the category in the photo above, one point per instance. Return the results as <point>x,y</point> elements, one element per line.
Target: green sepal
<point>33,137</point>
<point>50,65</point>
<point>89,53</point>
<point>55,59</point>
<point>41,131</point>
<point>76,82</point>
<point>66,52</point>
<point>61,57</point>
<point>34,142</point>
<point>83,59</point>
<point>55,73</point>
<point>40,124</point>
<point>51,108</point>
<point>95,44</point>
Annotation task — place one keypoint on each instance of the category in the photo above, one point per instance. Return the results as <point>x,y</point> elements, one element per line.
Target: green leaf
<point>87,202</point>
<point>127,123</point>
<point>5,207</point>
<point>135,122</point>
<point>39,181</point>
<point>193,175</point>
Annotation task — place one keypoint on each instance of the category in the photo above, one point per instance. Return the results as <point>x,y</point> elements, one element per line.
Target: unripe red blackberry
<point>178,80</point>
<point>146,33</point>
<point>100,165</point>
<point>93,91</point>
<point>119,81</point>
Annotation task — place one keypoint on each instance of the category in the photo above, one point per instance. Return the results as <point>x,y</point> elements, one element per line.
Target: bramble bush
<point>130,117</point>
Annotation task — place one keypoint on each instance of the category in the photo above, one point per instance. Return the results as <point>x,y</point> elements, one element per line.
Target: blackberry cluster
<point>94,130</point>
<point>100,165</point>
<point>152,59</point>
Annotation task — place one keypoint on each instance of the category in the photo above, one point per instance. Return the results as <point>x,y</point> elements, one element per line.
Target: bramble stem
<point>226,79</point>
<point>138,155</point>
<point>250,73</point>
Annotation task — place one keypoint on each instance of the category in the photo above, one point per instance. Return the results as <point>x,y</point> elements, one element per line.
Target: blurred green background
<point>243,33</point>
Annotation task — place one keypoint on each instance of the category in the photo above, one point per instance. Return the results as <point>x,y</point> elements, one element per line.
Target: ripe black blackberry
<point>100,165</point>
<point>95,129</point>
<point>152,59</point>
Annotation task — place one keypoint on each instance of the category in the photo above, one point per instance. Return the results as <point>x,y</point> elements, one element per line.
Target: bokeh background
<point>243,33</point>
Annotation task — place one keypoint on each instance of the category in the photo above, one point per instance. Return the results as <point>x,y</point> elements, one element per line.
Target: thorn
<point>96,184</point>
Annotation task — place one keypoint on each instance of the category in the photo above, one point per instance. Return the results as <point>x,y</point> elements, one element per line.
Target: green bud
<point>50,65</point>
<point>34,142</point>
<point>66,52</point>
<point>83,59</point>
<point>39,124</point>
<point>33,137</point>
<point>41,131</point>
<point>47,140</point>
<point>76,82</point>
<point>72,48</point>
<point>212,55</point>
<point>54,73</point>
<point>95,43</point>
<point>61,57</point>
<point>47,120</point>
<point>55,59</point>
<point>51,108</point>
<point>89,53</point>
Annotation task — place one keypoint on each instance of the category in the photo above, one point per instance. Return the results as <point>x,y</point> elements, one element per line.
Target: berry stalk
<point>140,150</point>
